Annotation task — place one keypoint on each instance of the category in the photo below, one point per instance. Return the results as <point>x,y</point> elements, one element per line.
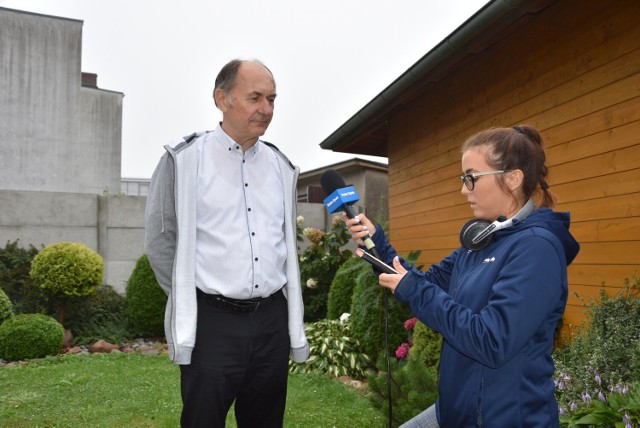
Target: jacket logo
<point>489,260</point>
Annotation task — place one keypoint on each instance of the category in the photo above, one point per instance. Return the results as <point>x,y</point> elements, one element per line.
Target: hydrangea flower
<point>402,351</point>
<point>410,324</point>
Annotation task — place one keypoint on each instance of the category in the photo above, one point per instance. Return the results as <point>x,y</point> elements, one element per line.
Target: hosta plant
<point>333,351</point>
<point>618,408</point>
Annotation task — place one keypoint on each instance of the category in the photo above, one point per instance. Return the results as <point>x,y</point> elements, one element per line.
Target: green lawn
<point>143,391</point>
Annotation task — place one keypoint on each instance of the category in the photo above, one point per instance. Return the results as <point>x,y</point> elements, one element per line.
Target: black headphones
<point>477,234</point>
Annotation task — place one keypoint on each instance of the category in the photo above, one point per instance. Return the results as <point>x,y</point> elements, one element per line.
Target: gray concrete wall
<point>113,226</point>
<point>55,135</point>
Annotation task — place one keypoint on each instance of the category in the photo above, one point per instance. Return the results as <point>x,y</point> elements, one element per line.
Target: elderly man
<point>221,238</point>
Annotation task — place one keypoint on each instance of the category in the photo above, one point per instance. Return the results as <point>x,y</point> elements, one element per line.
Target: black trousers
<point>242,357</point>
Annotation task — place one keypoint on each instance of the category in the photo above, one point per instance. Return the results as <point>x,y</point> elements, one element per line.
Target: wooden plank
<point>611,229</point>
<point>595,122</point>
<point>613,207</point>
<point>626,159</point>
<point>440,215</point>
<point>582,295</point>
<point>615,184</point>
<point>596,275</point>
<point>609,253</point>
<point>608,140</point>
<point>427,231</point>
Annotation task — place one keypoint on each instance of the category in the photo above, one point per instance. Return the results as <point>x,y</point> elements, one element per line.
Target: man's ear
<point>221,100</point>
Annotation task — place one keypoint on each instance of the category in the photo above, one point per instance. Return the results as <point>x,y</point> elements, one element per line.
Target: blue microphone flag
<point>341,198</point>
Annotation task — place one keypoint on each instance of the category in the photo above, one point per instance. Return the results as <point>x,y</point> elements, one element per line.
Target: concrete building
<point>60,147</point>
<point>59,132</point>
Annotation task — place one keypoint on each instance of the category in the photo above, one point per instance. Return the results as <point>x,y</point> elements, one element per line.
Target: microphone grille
<point>330,181</point>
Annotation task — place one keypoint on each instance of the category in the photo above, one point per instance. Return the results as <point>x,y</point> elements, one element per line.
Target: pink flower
<point>402,351</point>
<point>410,323</point>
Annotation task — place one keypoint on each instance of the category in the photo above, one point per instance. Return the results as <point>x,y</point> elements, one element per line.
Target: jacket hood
<point>555,222</point>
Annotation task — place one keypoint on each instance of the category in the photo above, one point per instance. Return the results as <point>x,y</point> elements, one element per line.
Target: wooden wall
<point>572,71</point>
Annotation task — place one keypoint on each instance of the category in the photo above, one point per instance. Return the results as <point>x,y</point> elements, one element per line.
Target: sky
<point>329,59</point>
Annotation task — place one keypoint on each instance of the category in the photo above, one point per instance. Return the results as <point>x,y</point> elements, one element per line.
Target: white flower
<point>345,317</point>
<point>311,283</point>
<point>299,220</point>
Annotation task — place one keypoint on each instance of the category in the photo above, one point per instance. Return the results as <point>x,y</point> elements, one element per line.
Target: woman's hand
<point>391,280</point>
<point>359,226</point>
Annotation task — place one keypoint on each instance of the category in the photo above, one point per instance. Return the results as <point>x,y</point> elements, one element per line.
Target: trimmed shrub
<point>342,286</point>
<point>146,301</point>
<point>6,308</point>
<point>30,336</point>
<point>67,269</point>
<point>101,315</point>
<point>333,351</point>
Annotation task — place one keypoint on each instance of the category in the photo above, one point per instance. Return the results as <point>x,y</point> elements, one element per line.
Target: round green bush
<point>342,286</point>
<point>30,336</point>
<point>6,308</point>
<point>67,269</point>
<point>145,300</point>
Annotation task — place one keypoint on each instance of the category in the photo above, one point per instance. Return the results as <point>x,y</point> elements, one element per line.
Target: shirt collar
<point>227,142</point>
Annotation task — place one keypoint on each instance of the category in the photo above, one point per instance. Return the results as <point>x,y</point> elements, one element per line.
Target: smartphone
<point>376,262</point>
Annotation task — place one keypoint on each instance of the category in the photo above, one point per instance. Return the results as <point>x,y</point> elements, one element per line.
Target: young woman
<point>496,302</point>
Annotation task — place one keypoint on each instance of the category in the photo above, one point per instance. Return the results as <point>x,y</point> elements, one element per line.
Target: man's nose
<point>266,107</point>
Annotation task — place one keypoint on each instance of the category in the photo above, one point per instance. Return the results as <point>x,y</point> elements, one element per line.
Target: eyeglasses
<point>469,180</point>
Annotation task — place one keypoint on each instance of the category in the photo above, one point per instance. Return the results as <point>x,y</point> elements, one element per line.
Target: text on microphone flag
<point>337,200</point>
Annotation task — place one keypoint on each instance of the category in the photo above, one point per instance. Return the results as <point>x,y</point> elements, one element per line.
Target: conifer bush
<point>414,374</point>
<point>368,307</point>
<point>146,301</point>
<point>15,264</point>
<point>28,336</point>
<point>342,286</point>
<point>101,315</point>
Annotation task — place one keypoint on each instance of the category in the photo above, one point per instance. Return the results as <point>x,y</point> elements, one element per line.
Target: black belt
<point>222,302</point>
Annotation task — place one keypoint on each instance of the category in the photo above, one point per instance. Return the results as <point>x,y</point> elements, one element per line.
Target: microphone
<point>341,198</point>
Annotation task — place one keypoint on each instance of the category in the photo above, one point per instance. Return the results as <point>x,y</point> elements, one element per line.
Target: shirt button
<point>256,285</point>
<point>256,259</point>
<point>246,184</point>
<point>249,209</point>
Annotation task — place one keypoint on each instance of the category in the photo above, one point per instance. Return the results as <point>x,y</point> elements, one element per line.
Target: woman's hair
<point>518,147</point>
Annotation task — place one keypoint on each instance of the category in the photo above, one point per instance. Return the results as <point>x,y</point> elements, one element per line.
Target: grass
<point>143,391</point>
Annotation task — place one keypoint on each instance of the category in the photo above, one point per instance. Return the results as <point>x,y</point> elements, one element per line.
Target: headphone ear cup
<point>470,230</point>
